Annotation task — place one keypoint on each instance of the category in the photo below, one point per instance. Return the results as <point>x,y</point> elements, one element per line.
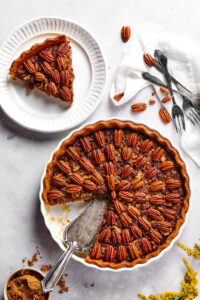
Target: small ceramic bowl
<point>33,270</point>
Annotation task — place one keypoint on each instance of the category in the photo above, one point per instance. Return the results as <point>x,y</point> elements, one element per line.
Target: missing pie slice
<point>47,66</point>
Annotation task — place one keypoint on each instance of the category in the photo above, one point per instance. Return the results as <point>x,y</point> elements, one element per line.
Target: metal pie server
<point>78,236</point>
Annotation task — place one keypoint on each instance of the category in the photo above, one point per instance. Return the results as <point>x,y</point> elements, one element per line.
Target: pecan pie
<point>47,66</point>
<point>144,178</point>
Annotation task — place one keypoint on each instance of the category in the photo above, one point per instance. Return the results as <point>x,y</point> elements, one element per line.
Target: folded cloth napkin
<point>183,59</point>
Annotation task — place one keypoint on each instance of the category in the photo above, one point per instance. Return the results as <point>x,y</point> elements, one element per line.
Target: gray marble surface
<point>23,154</point>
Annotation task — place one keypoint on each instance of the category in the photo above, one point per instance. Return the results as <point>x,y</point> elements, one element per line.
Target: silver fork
<point>177,113</point>
<point>189,109</point>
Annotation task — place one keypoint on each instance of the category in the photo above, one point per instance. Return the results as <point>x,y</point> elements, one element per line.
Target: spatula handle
<point>52,277</point>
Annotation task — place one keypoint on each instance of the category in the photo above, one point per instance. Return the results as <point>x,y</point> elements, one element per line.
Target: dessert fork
<point>177,113</point>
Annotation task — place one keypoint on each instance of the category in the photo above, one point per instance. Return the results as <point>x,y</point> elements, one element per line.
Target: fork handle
<point>52,277</point>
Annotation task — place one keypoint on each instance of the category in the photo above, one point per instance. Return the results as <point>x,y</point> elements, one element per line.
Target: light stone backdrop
<point>23,154</point>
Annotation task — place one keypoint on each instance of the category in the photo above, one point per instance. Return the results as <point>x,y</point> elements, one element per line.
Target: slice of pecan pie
<point>144,178</point>
<point>47,66</point>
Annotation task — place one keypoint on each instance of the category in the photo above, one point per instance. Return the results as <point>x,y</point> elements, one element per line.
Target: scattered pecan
<point>148,59</point>
<point>166,99</point>
<point>164,90</point>
<point>125,33</point>
<point>138,107</point>
<point>165,116</point>
<point>118,97</point>
<point>152,101</point>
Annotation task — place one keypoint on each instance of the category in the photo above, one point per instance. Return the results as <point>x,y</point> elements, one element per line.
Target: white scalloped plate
<point>36,111</point>
<point>57,217</point>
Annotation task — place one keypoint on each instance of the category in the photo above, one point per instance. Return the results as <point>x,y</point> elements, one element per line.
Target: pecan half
<point>113,195</point>
<point>133,251</point>
<point>65,77</point>
<point>109,253</point>
<point>62,49</point>
<point>132,139</point>
<point>72,153</point>
<point>58,181</point>
<point>125,33</point>
<point>121,253</point>
<point>76,178</point>
<point>140,161</point>
<point>125,234</point>
<point>63,166</point>
<point>157,154</point>
<point>133,211</point>
<point>118,136</point>
<point>154,213</point>
<point>110,182</point>
<point>157,199</point>
<point>30,67</point>
<point>138,107</point>
<point>54,194</point>
<point>118,97</point>
<point>46,67</point>
<point>86,165</point>
<point>55,76</point>
<point>173,198</point>
<point>144,223</point>
<point>97,156</point>
<point>116,237</point>
<point>125,219</point>
<point>105,235</point>
<point>118,206</point>
<point>155,235</point>
<point>127,171</point>
<point>123,185</point>
<point>137,183</point>
<point>100,138</point>
<point>126,153</point>
<point>85,143</point>
<point>146,245</point>
<point>109,168</point>
<point>110,217</point>
<point>39,76</point>
<point>52,89</point>
<point>61,63</point>
<point>89,185</point>
<point>166,99</point>
<point>168,213</point>
<point>95,252</point>
<point>46,55</point>
<point>156,186</point>
<point>148,59</point>
<point>127,196</point>
<point>164,226</point>
<point>110,151</point>
<point>97,178</point>
<point>166,165</point>
<point>165,116</point>
<point>65,93</point>
<point>136,232</point>
<point>139,197</point>
<point>146,145</point>
<point>164,90</point>
<point>73,188</point>
<point>173,183</point>
<point>152,101</point>
<point>151,172</point>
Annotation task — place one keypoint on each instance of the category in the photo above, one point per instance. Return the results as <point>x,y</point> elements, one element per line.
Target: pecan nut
<point>138,107</point>
<point>125,33</point>
<point>148,59</point>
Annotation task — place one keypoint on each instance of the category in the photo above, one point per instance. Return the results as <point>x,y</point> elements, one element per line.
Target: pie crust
<point>47,66</point>
<point>142,218</point>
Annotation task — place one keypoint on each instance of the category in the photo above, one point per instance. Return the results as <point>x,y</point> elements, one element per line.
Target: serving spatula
<point>78,236</point>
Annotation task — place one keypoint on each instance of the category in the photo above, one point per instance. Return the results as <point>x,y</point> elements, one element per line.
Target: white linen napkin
<point>183,59</point>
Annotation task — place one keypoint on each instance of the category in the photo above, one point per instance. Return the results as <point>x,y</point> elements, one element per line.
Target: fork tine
<point>183,121</point>
<point>193,118</point>
<point>179,123</point>
<point>195,113</point>
<point>175,123</point>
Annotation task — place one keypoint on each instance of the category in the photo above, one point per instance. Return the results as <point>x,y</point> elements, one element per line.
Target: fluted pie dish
<point>142,175</point>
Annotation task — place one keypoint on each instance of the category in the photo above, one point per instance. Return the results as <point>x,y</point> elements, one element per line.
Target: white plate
<point>57,217</point>
<point>36,111</point>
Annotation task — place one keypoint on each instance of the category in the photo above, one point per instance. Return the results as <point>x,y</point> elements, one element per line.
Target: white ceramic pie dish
<point>57,217</point>
<point>37,111</point>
